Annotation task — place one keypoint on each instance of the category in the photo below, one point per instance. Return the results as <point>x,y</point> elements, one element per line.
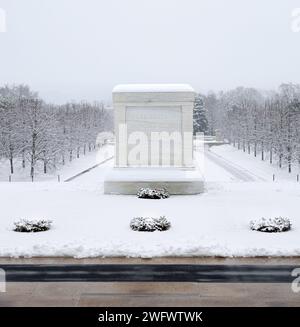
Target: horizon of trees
<point>262,123</point>
<point>38,133</point>
<point>265,124</point>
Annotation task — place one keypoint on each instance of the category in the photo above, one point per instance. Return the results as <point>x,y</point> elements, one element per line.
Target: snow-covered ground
<point>87,223</point>
<point>68,170</point>
<point>261,170</point>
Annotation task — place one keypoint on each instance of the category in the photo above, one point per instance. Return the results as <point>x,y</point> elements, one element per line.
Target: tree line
<point>45,135</point>
<point>262,123</point>
<point>39,134</point>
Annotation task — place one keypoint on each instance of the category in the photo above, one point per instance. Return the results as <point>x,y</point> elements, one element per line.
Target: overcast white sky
<point>79,49</point>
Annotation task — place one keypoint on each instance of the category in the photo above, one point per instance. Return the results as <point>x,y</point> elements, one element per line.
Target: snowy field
<point>87,223</point>
<point>68,170</point>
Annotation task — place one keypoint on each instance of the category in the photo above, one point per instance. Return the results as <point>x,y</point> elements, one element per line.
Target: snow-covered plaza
<point>87,223</point>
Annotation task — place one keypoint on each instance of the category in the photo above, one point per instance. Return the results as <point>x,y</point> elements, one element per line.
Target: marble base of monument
<point>175,181</point>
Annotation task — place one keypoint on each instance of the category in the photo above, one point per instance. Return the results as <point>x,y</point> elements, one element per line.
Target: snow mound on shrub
<point>149,224</point>
<point>271,225</point>
<point>149,193</point>
<point>32,226</point>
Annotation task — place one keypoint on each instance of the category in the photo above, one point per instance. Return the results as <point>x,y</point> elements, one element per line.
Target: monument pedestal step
<point>177,181</point>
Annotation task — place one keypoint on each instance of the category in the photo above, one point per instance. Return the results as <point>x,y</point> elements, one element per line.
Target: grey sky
<point>79,49</point>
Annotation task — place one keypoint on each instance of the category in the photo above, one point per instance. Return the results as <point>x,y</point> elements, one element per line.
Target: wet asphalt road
<point>149,273</point>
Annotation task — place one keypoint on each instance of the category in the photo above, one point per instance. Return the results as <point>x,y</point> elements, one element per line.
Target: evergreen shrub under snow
<point>149,193</point>
<point>32,226</point>
<point>271,225</point>
<point>149,224</point>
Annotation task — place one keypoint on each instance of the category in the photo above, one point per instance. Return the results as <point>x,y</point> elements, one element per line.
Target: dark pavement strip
<point>149,273</point>
<point>88,170</point>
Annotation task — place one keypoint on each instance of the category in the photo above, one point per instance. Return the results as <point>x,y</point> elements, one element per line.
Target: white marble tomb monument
<point>154,140</point>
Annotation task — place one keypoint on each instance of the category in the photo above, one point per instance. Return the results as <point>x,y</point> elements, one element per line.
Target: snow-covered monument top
<point>152,88</point>
<point>154,139</point>
<point>153,93</point>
